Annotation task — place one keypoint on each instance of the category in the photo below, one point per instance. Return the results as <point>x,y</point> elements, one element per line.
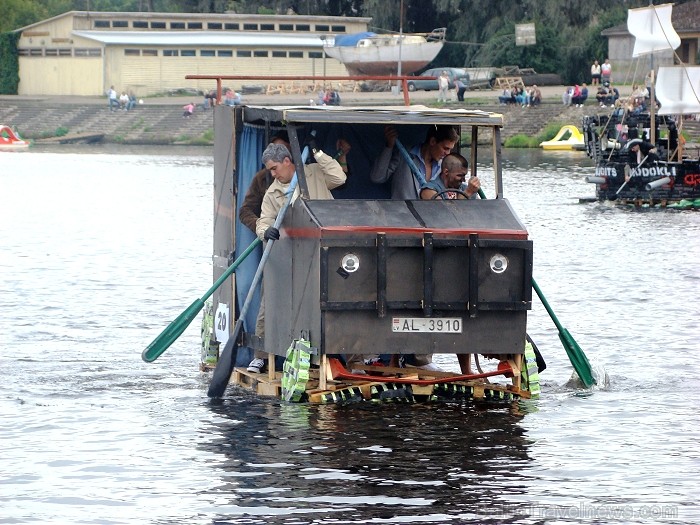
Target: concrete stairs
<point>145,124</point>
<point>530,121</point>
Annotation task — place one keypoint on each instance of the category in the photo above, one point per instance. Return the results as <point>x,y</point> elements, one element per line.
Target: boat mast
<point>652,96</point>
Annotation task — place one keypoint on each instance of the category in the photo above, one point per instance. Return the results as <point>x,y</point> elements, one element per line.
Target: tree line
<point>479,32</point>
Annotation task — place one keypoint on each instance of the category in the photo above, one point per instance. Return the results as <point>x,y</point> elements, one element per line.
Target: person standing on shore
<point>443,86</point>
<point>595,73</point>
<point>461,88</point>
<point>606,71</point>
<point>113,100</point>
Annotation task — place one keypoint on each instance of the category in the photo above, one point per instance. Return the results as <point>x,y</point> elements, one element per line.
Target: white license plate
<point>442,325</point>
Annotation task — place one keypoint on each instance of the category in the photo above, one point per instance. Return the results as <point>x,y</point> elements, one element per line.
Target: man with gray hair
<point>321,177</point>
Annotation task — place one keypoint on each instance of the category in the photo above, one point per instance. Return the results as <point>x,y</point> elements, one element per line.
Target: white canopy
<point>678,90</point>
<point>652,29</point>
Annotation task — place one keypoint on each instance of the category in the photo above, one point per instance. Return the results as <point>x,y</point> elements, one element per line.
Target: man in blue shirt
<point>452,175</point>
<point>390,165</point>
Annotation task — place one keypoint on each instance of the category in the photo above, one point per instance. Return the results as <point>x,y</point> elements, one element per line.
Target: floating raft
<point>380,388</point>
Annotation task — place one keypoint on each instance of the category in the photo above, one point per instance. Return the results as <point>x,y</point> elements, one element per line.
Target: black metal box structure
<point>400,277</point>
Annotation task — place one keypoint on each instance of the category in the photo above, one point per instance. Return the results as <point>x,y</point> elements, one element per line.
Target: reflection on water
<point>100,251</point>
<point>389,460</point>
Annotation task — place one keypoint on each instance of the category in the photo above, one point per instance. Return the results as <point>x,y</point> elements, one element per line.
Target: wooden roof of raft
<point>417,114</point>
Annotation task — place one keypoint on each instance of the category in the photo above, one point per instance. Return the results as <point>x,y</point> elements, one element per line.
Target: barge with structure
<point>363,274</point>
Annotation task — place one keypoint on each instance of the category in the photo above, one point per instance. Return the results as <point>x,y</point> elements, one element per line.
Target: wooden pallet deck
<point>378,388</point>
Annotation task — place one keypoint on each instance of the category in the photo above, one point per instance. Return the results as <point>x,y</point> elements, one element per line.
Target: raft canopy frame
<point>418,259</point>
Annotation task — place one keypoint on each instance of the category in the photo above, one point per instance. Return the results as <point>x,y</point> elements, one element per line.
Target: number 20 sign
<point>221,323</point>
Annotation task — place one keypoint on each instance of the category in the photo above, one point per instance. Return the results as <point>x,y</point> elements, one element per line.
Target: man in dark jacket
<point>641,152</point>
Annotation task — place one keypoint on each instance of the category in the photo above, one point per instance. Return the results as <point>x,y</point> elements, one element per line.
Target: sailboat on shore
<point>374,54</point>
<point>666,176</point>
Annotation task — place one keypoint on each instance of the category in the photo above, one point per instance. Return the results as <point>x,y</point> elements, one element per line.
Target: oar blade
<point>224,367</point>
<point>578,358</point>
<point>174,330</point>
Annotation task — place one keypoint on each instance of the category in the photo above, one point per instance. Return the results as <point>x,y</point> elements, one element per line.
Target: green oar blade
<point>174,330</point>
<point>578,358</point>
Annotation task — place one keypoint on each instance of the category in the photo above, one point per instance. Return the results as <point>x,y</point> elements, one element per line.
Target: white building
<point>84,53</point>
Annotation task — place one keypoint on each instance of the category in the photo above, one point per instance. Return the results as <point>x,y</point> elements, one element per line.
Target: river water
<point>99,250</point>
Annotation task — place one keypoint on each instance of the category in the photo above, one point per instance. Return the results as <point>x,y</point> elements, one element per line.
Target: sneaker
<point>256,365</point>
<point>431,367</point>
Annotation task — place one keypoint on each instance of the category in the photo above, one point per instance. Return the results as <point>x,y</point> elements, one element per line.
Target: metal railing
<point>391,78</point>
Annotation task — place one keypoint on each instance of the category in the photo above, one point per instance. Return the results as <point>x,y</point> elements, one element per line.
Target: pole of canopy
<point>400,40</point>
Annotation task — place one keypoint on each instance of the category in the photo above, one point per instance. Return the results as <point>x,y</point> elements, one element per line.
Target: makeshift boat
<point>9,140</point>
<point>379,54</point>
<point>362,274</point>
<point>620,174</point>
<point>567,138</point>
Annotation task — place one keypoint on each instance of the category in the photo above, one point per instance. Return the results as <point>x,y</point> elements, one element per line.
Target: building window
<point>279,54</point>
<point>338,29</point>
<point>35,52</point>
<point>296,54</point>
<point>233,27</point>
<point>286,27</point>
<point>261,54</point>
<point>207,53</point>
<point>51,52</point>
<point>132,52</point>
<point>101,23</point>
<point>65,52</point>
<point>139,24</point>
<point>303,27</point>
<point>87,52</point>
<point>149,52</point>
<point>188,53</point>
<point>250,27</point>
<point>225,53</point>
<point>157,25</point>
<point>216,25</point>
<point>120,23</point>
<point>243,54</point>
<point>177,25</point>
<point>315,54</point>
<point>171,52</point>
<point>323,28</point>
<point>194,25</point>
<point>267,27</point>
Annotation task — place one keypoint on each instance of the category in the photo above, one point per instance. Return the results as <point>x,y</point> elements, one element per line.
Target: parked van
<point>432,84</point>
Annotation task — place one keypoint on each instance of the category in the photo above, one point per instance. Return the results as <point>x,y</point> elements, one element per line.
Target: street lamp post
<point>323,39</point>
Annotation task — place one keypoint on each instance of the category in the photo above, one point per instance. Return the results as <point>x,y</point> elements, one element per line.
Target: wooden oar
<point>573,350</point>
<point>175,329</point>
<point>227,359</point>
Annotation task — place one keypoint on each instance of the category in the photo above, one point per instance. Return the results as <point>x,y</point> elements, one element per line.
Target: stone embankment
<point>145,124</point>
<point>160,121</point>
